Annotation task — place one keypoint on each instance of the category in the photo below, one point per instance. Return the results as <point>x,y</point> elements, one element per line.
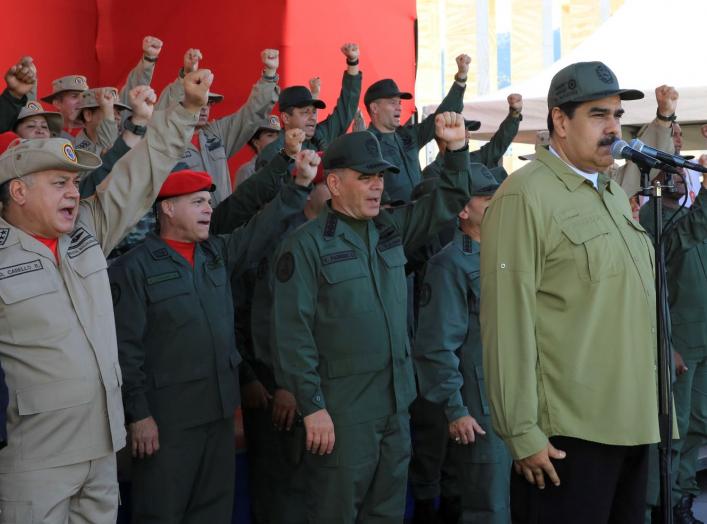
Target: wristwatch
<point>133,128</point>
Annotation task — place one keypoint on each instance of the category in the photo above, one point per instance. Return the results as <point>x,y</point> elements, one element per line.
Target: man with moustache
<point>568,317</point>
<point>340,328</point>
<point>57,342</point>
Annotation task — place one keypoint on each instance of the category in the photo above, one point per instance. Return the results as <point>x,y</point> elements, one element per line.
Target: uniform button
<point>652,330</point>
<point>503,266</point>
<point>317,398</point>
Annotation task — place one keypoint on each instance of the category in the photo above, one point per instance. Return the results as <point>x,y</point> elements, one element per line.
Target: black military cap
<point>472,125</point>
<point>358,151</point>
<point>485,181</point>
<point>386,88</point>
<point>298,96</point>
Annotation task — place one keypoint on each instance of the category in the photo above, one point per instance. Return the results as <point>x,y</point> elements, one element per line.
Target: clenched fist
<point>191,60</point>
<point>21,77</point>
<point>196,89</point>
<point>271,60</point>
<point>463,62</point>
<point>449,127</point>
<point>293,141</point>
<point>151,47</point>
<point>142,101</point>
<point>667,98</point>
<point>350,50</point>
<point>515,102</point>
<point>306,163</point>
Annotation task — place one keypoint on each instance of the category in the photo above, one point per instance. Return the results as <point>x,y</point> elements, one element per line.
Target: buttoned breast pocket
<point>594,253</point>
<point>394,261</point>
<point>347,289</point>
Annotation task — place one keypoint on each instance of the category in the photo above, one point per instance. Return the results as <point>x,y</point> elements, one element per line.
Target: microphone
<point>620,149</point>
<point>666,158</point>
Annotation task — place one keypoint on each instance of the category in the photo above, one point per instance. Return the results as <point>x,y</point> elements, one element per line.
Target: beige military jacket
<point>57,333</point>
<point>220,139</point>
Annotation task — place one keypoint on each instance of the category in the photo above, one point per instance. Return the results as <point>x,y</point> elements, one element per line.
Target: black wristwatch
<point>671,118</point>
<point>133,128</point>
<point>284,155</point>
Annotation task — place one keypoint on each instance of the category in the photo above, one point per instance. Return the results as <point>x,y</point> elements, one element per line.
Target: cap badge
<point>69,153</point>
<point>604,74</point>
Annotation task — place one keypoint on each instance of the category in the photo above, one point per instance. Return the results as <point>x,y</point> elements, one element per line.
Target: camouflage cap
<point>66,83</point>
<point>358,151</point>
<point>88,99</point>
<point>585,81</point>
<point>55,120</point>
<point>42,154</point>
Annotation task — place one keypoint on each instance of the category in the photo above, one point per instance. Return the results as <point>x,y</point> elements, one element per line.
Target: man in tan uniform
<point>66,91</point>
<point>57,333</point>
<point>217,140</point>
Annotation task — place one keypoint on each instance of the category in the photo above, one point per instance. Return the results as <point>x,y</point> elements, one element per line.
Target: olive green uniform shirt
<point>568,311</point>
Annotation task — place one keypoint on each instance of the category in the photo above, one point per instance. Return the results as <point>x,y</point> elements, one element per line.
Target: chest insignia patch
<point>81,240</point>
<point>20,269</point>
<point>425,294</point>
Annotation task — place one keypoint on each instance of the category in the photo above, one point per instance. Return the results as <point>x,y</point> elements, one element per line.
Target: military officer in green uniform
<point>340,327</point>
<point>448,358</point>
<point>401,144</point>
<point>686,260</point>
<point>174,322</point>
<point>298,110</point>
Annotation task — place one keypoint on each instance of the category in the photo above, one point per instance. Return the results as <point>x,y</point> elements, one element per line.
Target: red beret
<point>319,177</point>
<point>6,140</point>
<point>185,182</point>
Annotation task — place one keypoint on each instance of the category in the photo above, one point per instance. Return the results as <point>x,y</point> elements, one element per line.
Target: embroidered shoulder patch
<point>285,267</point>
<point>81,240</point>
<point>4,233</point>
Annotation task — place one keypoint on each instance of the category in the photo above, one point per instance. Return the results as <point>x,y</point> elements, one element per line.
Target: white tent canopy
<point>646,43</point>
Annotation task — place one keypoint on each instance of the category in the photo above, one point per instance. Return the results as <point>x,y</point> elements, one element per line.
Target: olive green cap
<point>584,81</point>
<point>359,151</point>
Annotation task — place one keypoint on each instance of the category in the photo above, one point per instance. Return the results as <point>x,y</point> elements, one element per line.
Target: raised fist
<point>515,102</point>
<point>196,89</point>
<point>315,85</point>
<point>105,98</point>
<point>359,124</point>
<point>703,130</point>
<point>350,50</point>
<point>463,62</point>
<point>449,127</point>
<point>667,98</point>
<point>151,47</point>
<point>271,59</point>
<point>142,101</point>
<point>191,60</point>
<point>293,141</point>
<point>306,163</point>
<point>21,77</point>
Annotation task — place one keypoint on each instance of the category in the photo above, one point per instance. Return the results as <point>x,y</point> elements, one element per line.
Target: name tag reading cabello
<point>20,269</point>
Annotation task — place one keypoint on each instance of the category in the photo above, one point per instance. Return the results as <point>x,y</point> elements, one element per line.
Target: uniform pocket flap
<point>343,271</point>
<point>53,396</point>
<point>580,232</point>
<point>180,376</point>
<point>393,257</point>
<point>357,364</point>
<point>635,225</point>
<point>89,261</point>
<point>167,289</point>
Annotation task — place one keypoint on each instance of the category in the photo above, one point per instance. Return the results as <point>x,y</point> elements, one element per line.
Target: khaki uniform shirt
<point>567,311</point>
<point>220,139</point>
<point>57,333</point>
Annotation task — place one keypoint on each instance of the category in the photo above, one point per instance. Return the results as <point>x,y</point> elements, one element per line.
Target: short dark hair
<point>567,108</point>
<point>5,193</point>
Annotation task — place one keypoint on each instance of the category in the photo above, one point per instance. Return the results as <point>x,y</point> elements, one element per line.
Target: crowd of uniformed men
<point>334,293</point>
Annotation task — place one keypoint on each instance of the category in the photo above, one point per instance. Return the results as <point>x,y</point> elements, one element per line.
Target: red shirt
<point>51,243</point>
<point>185,249</point>
<point>195,141</point>
<point>74,131</point>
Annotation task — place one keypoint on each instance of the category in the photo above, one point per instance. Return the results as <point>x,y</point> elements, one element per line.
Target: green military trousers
<point>364,479</point>
<point>190,480</point>
<point>690,393</point>
<point>275,470</point>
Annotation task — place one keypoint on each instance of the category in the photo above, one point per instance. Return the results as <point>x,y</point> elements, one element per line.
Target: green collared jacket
<point>339,308</point>
<point>568,311</point>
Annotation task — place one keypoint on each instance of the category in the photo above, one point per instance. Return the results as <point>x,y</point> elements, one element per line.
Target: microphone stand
<point>665,387</point>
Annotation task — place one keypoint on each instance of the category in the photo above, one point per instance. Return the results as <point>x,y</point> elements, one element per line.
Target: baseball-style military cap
<point>66,83</point>
<point>358,151</point>
<point>33,108</point>
<point>88,99</point>
<point>386,88</point>
<point>585,81</point>
<point>214,98</point>
<point>42,154</point>
<point>298,96</point>
<point>485,181</point>
<point>472,125</point>
<point>184,182</point>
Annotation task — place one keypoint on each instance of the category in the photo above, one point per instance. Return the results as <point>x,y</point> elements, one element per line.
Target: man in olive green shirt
<point>568,317</point>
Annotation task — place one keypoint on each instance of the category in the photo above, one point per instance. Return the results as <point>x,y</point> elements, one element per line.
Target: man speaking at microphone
<point>568,317</point>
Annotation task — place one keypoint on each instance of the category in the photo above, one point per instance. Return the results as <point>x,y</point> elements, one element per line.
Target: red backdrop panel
<point>102,39</point>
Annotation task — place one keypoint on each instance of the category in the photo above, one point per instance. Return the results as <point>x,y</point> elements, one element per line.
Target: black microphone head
<point>617,149</point>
